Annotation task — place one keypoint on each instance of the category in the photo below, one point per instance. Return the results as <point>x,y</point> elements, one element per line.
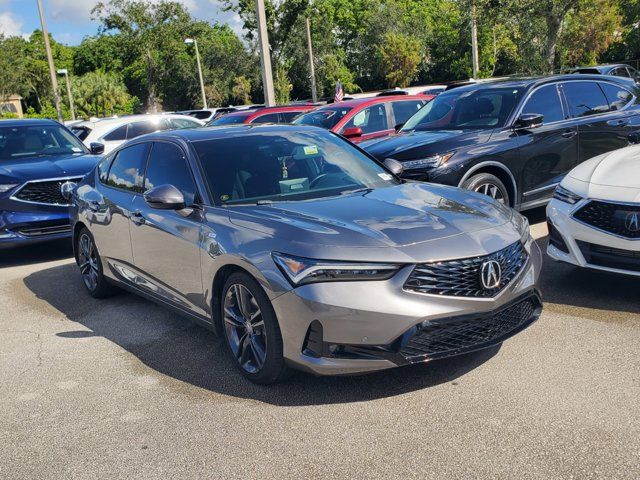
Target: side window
<point>546,102</point>
<point>168,165</point>
<point>404,110</point>
<point>128,167</point>
<point>142,128</point>
<point>119,133</point>
<point>268,118</point>
<point>371,119</point>
<point>585,98</point>
<point>617,97</point>
<point>287,117</point>
<point>183,123</point>
<point>103,169</point>
<point>620,72</point>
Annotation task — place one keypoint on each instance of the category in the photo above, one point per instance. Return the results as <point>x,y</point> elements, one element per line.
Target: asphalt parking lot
<point>122,388</point>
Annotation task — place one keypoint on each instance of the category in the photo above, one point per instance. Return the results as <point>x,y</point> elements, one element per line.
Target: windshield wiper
<point>357,190</point>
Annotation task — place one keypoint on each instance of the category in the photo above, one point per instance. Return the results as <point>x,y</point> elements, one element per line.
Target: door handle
<point>137,218</point>
<point>621,122</point>
<point>569,133</point>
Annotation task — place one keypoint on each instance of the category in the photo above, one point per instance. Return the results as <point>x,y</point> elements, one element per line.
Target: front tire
<point>251,331</point>
<point>91,266</point>
<point>489,185</point>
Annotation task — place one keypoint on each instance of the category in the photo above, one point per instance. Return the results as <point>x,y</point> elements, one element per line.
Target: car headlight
<point>301,271</point>
<point>5,187</point>
<point>566,196</point>
<point>427,162</point>
<point>522,224</point>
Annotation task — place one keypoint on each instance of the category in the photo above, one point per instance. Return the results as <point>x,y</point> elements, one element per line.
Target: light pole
<point>314,95</point>
<point>65,72</point>
<point>265,55</point>
<point>474,41</point>
<point>52,68</point>
<point>189,41</point>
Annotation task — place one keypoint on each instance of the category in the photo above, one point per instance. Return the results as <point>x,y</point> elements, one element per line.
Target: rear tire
<point>489,185</point>
<point>91,267</point>
<point>251,331</point>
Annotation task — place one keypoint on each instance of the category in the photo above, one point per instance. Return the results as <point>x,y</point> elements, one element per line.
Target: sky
<point>70,20</point>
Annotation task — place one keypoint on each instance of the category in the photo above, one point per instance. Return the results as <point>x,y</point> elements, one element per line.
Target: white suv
<point>112,132</point>
<point>594,216</point>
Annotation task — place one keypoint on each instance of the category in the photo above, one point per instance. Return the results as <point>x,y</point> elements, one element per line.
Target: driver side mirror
<point>527,121</point>
<point>394,166</point>
<point>352,132</point>
<point>165,197</point>
<point>96,148</point>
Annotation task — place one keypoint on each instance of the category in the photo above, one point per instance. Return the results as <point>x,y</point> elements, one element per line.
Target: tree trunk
<point>152,99</point>
<point>554,26</point>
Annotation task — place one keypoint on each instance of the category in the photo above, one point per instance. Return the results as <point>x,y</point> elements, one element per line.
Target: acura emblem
<point>490,274</point>
<point>632,222</point>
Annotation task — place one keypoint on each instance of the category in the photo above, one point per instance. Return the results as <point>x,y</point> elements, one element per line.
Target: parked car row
<point>304,250</point>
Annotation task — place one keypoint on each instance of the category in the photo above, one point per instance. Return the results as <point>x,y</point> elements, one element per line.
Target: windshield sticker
<point>385,176</point>
<point>310,150</point>
<point>76,149</point>
<point>225,198</point>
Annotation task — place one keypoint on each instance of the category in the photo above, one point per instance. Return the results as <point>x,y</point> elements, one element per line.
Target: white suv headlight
<point>301,271</point>
<point>566,196</point>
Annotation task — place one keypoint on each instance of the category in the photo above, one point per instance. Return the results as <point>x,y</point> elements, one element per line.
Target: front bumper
<point>369,326</point>
<point>28,227</point>
<point>576,243</point>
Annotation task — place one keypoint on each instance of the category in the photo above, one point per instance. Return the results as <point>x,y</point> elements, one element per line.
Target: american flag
<point>339,93</point>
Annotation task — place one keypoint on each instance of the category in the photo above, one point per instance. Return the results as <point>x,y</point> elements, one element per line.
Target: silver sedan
<point>303,251</point>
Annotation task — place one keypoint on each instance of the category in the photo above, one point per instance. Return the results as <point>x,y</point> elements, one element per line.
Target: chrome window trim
<point>12,197</point>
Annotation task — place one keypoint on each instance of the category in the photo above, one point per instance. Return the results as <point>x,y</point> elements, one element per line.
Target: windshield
<point>325,118</point>
<point>228,120</point>
<point>37,140</point>
<point>274,165</point>
<point>466,109</point>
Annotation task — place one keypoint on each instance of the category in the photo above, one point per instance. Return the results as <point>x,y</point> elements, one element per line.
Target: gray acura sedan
<point>302,251</point>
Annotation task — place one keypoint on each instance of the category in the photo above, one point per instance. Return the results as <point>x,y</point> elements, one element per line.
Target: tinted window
<point>103,169</point>
<point>142,128</point>
<point>229,119</point>
<point>288,166</point>
<point>473,108</point>
<point>81,132</point>
<point>546,102</point>
<point>268,118</point>
<point>620,72</point>
<point>287,117</point>
<point>323,117</point>
<point>119,133</point>
<point>616,96</point>
<point>127,168</point>
<point>201,115</point>
<point>371,119</point>
<point>183,123</point>
<point>168,165</point>
<point>404,110</point>
<point>585,98</point>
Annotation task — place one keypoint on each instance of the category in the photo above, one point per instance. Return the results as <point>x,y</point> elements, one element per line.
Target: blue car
<point>36,158</point>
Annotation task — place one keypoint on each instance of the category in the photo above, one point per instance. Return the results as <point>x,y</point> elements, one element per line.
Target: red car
<point>284,114</point>
<point>365,118</point>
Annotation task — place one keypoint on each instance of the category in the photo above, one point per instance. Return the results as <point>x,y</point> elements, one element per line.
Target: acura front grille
<point>618,219</point>
<point>461,278</point>
<point>46,192</point>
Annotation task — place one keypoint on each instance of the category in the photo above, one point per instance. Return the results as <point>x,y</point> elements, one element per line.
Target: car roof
<point>526,82</point>
<point>103,123</point>
<point>18,122</point>
<point>357,102</point>
<point>226,131</point>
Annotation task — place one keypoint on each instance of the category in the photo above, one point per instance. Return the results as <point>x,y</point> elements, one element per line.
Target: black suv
<point>515,139</point>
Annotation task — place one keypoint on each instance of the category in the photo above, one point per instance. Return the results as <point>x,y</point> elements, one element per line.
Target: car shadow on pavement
<point>178,348</point>
<point>590,291</point>
<point>38,253</point>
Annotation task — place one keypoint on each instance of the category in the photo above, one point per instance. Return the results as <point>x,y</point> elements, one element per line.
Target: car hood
<point>404,216</point>
<point>411,145</point>
<point>611,176</point>
<point>47,167</point>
